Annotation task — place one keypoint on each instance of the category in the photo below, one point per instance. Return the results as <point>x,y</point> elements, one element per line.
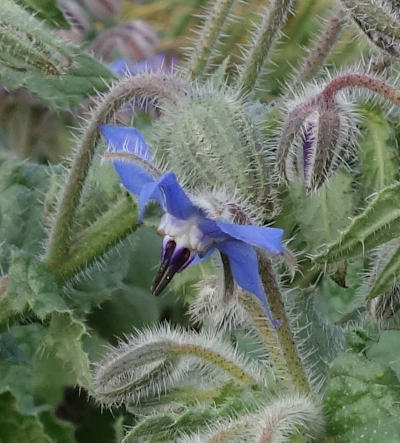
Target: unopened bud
<point>104,10</point>
<point>133,41</point>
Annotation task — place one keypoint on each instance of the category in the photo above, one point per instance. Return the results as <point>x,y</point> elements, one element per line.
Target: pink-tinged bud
<point>76,16</point>
<point>133,41</point>
<point>313,144</point>
<point>104,10</point>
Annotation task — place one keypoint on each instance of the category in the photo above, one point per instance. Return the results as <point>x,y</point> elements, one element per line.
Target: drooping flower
<point>190,235</point>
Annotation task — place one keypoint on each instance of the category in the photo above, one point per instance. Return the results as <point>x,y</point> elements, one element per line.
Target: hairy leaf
<point>362,401</point>
<point>63,338</point>
<point>322,215</point>
<point>46,10</point>
<point>377,153</point>
<point>31,287</point>
<point>377,224</point>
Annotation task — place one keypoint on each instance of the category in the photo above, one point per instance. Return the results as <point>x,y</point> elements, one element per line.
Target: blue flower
<point>189,234</point>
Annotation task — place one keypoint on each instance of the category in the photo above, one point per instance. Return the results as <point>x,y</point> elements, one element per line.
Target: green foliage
<point>31,288</point>
<point>362,401</point>
<point>35,59</point>
<point>46,10</point>
<point>63,338</point>
<point>321,216</point>
<point>377,224</point>
<point>377,152</point>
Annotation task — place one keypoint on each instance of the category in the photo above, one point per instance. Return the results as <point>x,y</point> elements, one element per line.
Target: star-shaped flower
<point>190,235</point>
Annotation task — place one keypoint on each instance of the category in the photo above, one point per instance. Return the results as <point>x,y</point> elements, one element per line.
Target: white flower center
<point>185,233</point>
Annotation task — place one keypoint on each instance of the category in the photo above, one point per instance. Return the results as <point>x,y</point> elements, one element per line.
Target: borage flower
<point>190,235</point>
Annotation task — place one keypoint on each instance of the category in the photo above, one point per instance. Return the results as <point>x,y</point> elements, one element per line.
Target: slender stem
<point>266,333</point>
<point>155,85</point>
<point>360,80</point>
<point>114,225</point>
<point>285,335</point>
<point>208,37</point>
<point>265,35</point>
<point>321,49</point>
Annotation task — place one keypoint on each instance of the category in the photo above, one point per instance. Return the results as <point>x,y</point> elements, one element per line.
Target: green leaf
<point>362,401</point>
<point>377,224</point>
<point>386,351</point>
<point>31,287</point>
<point>63,338</point>
<point>16,373</point>
<point>387,276</point>
<point>46,10</point>
<point>59,431</point>
<point>16,427</point>
<point>321,216</point>
<point>22,186</point>
<point>377,152</point>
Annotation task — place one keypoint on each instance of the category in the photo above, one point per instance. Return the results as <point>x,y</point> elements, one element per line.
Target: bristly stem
<point>285,335</point>
<point>321,49</point>
<point>357,81</point>
<point>208,36</point>
<point>91,243</point>
<point>149,85</point>
<point>266,332</point>
<point>264,36</point>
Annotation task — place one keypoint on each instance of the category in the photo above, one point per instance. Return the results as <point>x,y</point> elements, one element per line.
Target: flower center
<point>185,233</point>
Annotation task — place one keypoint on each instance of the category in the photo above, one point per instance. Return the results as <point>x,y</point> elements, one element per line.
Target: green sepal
<point>377,224</point>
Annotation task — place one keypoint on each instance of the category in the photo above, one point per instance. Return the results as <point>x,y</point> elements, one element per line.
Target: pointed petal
<point>124,139</point>
<point>170,195</point>
<point>262,237</point>
<point>176,202</point>
<point>244,266</point>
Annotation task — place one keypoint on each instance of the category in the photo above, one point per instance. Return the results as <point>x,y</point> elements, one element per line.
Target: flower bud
<point>133,41</point>
<point>104,10</point>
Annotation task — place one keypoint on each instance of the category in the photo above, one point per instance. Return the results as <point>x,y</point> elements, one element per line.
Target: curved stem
<point>154,85</point>
<point>360,80</point>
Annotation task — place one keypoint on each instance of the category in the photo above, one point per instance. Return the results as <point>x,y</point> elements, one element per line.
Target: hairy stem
<point>149,85</point>
<point>272,22</point>
<point>208,37</point>
<point>285,336</point>
<point>114,225</point>
<point>266,333</point>
<point>363,81</point>
<point>321,49</point>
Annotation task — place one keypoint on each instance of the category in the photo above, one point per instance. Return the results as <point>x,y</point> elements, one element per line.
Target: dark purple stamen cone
<point>173,260</point>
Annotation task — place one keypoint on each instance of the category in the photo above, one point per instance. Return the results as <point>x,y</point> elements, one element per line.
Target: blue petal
<point>125,139</point>
<point>244,266</point>
<point>197,260</point>
<point>169,193</point>
<point>266,238</point>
